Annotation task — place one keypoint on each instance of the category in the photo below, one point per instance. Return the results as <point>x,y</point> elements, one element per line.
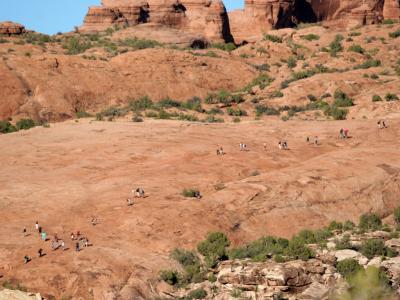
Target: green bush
<point>193,104</point>
<point>312,98</point>
<point>213,248</point>
<point>336,113</point>
<point>75,46</point>
<point>297,250</point>
<point>272,38</point>
<point>391,97</point>
<point>215,111</point>
<point>137,119</point>
<point>355,33</point>
<point>151,114</point>
<point>199,293</point>
<point>376,98</point>
<point>394,34</point>
<point>262,81</point>
<point>168,103</point>
<point>310,37</point>
<point>138,44</point>
<point>163,115</point>
<point>236,120</point>
<point>348,225</point>
<point>277,94</point>
<point>190,118</point>
<point>292,62</point>
<point>373,247</point>
<point>336,46</point>
<point>269,111</point>
<point>341,99</point>
<point>83,114</point>
<point>25,124</point>
<point>343,243</point>
<point>369,63</point>
<point>170,276</point>
<point>356,48</point>
<point>141,104</point>
<point>213,119</point>
<point>190,193</point>
<point>370,221</point>
<point>335,225</point>
<point>348,267</point>
<point>7,127</point>
<point>225,47</point>
<point>236,112</point>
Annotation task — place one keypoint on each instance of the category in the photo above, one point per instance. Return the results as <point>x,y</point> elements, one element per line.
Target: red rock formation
<point>10,28</point>
<point>205,17</point>
<point>391,9</point>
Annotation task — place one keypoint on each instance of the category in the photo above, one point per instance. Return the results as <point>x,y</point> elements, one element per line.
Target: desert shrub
<point>303,74</point>
<point>348,225</point>
<point>269,111</point>
<point>260,249</point>
<point>140,104</point>
<point>225,47</point>
<point>310,37</point>
<point>7,127</point>
<point>311,97</point>
<point>191,263</point>
<point>356,48</point>
<point>292,62</point>
<point>391,97</point>
<point>151,114</point>
<point>279,258</point>
<point>396,215</point>
<point>262,81</point>
<point>168,103</point>
<point>193,104</point>
<point>277,94</point>
<point>394,34</point>
<point>321,236</point>
<point>369,63</point>
<point>138,44</point>
<point>190,118</point>
<point>114,112</point>
<point>236,120</point>
<point>137,119</point>
<point>163,115</point>
<point>335,225</point>
<point>25,124</point>
<point>171,277</point>
<point>3,41</point>
<point>336,46</point>
<point>348,267</point>
<point>83,114</point>
<point>272,38</point>
<point>373,247</point>
<point>99,117</point>
<point>213,248</point>
<point>371,283</point>
<point>262,67</point>
<point>213,119</point>
<point>215,111</point>
<point>370,221</point>
<point>341,99</point>
<point>236,112</point>
<point>297,250</point>
<point>305,236</point>
<point>199,293</point>
<point>343,243</point>
<point>336,113</point>
<point>75,46</point>
<point>355,33</point>
<point>212,278</point>
<point>376,98</point>
<point>190,193</point>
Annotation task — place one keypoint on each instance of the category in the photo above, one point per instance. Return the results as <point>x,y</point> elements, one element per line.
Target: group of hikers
<point>382,124</point>
<point>57,243</point>
<point>315,142</point>
<point>136,193</point>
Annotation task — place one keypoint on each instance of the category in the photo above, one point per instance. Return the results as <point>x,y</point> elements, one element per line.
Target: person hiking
<point>94,221</point>
<point>44,236</point>
<point>72,236</point>
<point>63,244</point>
<point>308,140</point>
<point>37,225</point>
<point>40,252</point>
<point>265,146</point>
<point>341,133</point>
<point>26,259</point>
<point>316,140</point>
<point>221,151</point>
<point>87,243</point>
<point>24,231</point>
<point>56,237</point>
<point>129,202</point>
<point>77,247</point>
<point>40,229</point>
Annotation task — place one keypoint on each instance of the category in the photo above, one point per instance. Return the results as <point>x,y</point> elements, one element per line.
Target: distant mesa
<point>11,28</point>
<point>210,20</point>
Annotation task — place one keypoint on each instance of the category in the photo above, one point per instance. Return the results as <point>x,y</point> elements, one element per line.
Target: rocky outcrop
<point>206,18</point>
<point>18,295</point>
<point>11,28</point>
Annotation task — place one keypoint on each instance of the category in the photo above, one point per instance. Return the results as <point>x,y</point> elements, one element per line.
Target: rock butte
<point>11,28</point>
<point>209,20</point>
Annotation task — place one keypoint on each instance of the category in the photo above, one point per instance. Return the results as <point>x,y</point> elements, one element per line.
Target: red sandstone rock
<point>10,28</point>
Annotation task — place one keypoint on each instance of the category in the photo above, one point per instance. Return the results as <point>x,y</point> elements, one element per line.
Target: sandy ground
<point>63,175</point>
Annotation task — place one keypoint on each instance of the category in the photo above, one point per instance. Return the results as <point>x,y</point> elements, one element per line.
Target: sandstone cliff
<point>11,28</point>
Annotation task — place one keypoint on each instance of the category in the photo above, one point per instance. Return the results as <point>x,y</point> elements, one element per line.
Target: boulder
<point>11,28</point>
<point>347,253</point>
<point>315,291</point>
<point>18,295</point>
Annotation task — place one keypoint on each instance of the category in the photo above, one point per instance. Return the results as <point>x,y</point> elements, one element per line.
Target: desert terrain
<point>120,103</point>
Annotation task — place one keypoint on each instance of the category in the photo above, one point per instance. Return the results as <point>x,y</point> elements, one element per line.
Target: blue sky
<point>52,16</point>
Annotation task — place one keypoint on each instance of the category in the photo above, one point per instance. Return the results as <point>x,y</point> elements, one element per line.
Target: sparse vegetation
<point>394,34</point>
<point>391,97</point>
<point>25,124</point>
<point>348,267</point>
<point>272,38</point>
<point>7,127</point>
<point>225,47</point>
<point>356,48</point>
<point>310,37</point>
<point>369,222</point>
<point>376,98</point>
<point>341,99</point>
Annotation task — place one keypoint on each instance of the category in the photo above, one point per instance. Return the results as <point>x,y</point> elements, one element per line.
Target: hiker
<point>26,259</point>
<point>24,231</point>
<point>40,230</point>
<point>56,237</point>
<point>218,152</point>
<point>280,145</point>
<point>379,124</point>
<point>72,236</point>
<point>78,233</point>
<point>316,141</point>
<point>221,151</point>
<point>341,133</point>
<point>40,252</point>
<point>62,244</point>
<point>197,194</point>
<point>94,221</point>
<point>241,146</point>
<point>77,247</point>
<point>129,202</point>
<point>265,146</point>
<point>384,124</point>
<point>44,236</point>
<point>54,245</point>
<point>308,140</point>
<point>285,146</point>
<point>139,193</point>
<point>37,225</point>
<point>346,133</point>
<point>87,243</point>
<point>244,147</point>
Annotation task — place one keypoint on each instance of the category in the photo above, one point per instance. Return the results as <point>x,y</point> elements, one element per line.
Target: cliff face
<point>11,28</point>
<point>208,18</point>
